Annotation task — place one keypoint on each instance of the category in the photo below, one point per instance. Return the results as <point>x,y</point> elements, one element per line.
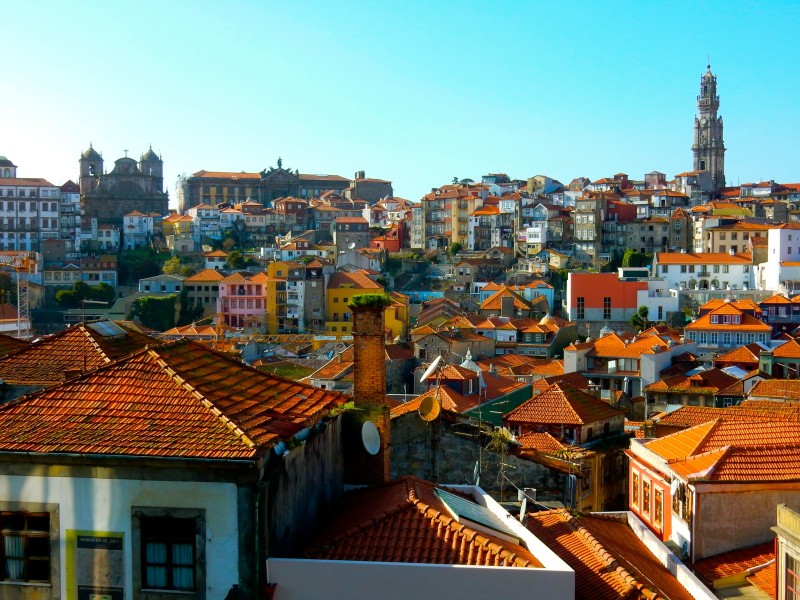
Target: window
<point>791,577</point>
<point>168,551</point>
<point>581,307</point>
<point>725,268</point>
<point>635,490</point>
<point>607,307</point>
<point>646,499</point>
<point>658,517</point>
<point>26,546</point>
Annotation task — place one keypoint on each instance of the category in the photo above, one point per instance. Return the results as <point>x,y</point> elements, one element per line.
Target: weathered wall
<point>306,482</point>
<point>737,519</point>
<point>446,452</point>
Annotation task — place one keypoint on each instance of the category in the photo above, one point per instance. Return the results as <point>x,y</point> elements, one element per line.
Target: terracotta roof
<point>689,416</point>
<point>776,388</point>
<point>748,353</point>
<point>540,442</point>
<point>575,379</point>
<point>749,323</point>
<point>206,275</point>
<point>448,399</point>
<point>704,258</point>
<point>721,433</point>
<point>704,382</point>
<point>609,560</point>
<point>735,562</point>
<point>357,280</point>
<point>77,349</point>
<point>562,404</point>
<point>765,579</point>
<point>494,302</point>
<point>743,463</point>
<point>776,299</point>
<point>9,344</point>
<point>407,521</point>
<point>178,400</point>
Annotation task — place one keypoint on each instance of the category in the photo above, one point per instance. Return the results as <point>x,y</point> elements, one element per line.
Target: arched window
<point>7,172</point>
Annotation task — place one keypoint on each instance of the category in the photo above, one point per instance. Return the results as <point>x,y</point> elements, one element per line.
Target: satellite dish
<point>371,437</point>
<point>351,245</point>
<point>429,408</point>
<point>430,369</point>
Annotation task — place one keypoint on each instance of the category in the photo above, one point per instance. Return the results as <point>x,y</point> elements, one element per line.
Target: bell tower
<point>708,149</point>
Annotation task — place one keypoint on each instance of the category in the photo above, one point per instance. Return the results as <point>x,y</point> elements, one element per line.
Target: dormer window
<point>736,319</point>
<point>726,319</point>
<point>714,319</point>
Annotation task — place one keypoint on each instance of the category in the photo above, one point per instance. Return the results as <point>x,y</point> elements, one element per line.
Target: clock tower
<point>708,148</point>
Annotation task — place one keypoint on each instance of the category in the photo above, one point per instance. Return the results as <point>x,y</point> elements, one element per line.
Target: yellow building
<point>179,226</point>
<point>397,316</point>
<point>341,287</point>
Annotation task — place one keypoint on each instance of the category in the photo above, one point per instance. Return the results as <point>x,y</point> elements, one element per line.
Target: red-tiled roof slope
<point>562,404</point>
<point>743,463</point>
<point>405,521</point>
<point>9,344</point>
<point>735,562</point>
<point>609,561</point>
<point>77,349</point>
<point>179,400</point>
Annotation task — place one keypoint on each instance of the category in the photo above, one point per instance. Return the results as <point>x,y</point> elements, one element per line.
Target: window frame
<point>139,514</point>
<point>54,559</point>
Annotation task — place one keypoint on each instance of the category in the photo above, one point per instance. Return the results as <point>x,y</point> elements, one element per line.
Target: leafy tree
<point>677,320</point>
<point>102,292</point>
<point>172,266</point>
<point>236,260</point>
<point>639,319</point>
<point>467,181</point>
<point>228,244</point>
<point>156,312</point>
<point>632,258</point>
<point>72,297</point>
<point>454,248</point>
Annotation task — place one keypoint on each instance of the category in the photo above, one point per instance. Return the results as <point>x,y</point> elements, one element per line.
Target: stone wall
<point>446,450</point>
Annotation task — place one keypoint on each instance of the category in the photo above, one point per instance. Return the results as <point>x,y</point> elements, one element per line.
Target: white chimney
<point>732,252</point>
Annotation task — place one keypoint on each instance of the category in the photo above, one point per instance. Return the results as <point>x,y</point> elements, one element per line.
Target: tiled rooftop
<point>735,562</point>
<point>78,349</point>
<point>9,344</point>
<point>562,404</point>
<point>406,521</point>
<point>178,400</point>
<point>609,561</point>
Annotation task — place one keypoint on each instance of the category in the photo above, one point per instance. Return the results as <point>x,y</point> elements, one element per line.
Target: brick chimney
<point>369,396</point>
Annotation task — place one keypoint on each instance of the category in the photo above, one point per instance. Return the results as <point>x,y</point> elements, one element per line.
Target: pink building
<point>242,299</point>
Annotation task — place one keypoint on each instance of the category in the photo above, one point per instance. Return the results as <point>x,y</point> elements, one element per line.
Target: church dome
<point>150,155</point>
<point>4,162</point>
<point>92,154</point>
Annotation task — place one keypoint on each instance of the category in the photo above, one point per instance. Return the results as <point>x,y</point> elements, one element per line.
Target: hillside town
<point>295,383</point>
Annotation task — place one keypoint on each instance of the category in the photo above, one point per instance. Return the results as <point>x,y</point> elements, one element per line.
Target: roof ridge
<point>229,423</point>
<point>605,556</point>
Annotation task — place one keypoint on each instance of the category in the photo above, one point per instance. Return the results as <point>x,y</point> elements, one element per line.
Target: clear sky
<point>415,92</point>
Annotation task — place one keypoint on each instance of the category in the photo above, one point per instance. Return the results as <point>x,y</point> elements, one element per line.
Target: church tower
<point>708,148</point>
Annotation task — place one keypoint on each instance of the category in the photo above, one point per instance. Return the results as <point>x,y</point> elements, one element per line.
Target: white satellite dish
<point>371,437</point>
<point>351,245</point>
<point>429,371</point>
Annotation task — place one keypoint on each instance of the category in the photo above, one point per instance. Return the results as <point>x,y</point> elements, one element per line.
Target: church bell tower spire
<point>709,149</point>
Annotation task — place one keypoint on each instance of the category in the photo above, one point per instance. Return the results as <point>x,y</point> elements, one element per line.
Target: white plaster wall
<point>105,505</point>
<point>308,579</point>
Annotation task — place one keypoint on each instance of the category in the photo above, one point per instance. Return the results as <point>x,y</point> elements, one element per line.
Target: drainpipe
<point>694,522</point>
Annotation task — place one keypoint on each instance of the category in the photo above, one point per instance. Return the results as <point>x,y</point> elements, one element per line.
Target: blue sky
<point>414,92</point>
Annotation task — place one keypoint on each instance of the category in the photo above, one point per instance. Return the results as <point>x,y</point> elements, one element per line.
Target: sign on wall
<point>95,565</point>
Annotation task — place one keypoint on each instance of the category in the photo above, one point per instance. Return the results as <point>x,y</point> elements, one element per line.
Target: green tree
<point>632,258</point>
<point>228,244</point>
<point>454,248</point>
<point>639,319</point>
<point>156,312</point>
<point>172,266</point>
<point>236,260</point>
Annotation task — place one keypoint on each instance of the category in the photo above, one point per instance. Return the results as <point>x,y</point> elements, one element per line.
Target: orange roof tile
<point>177,400</point>
<point>749,323</point>
<point>9,344</point>
<point>765,579</point>
<point>562,404</point>
<point>204,276</point>
<point>77,349</point>
<point>776,299</point>
<point>721,433</point>
<point>540,442</point>
<point>743,463</point>
<point>771,388</point>
<point>495,302</point>
<point>609,560</point>
<point>406,521</point>
<point>735,562</point>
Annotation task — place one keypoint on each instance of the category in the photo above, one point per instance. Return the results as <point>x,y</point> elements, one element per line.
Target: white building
<point>138,229</point>
<point>29,210</point>
<point>704,271</point>
<point>207,223</point>
<point>781,272</point>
